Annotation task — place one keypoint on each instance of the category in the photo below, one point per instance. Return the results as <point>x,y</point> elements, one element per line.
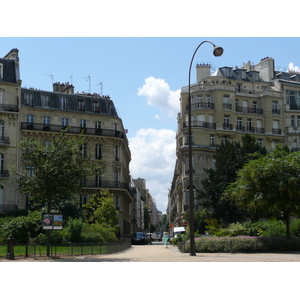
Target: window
<point>298,121</point>
<point>275,107</point>
<point>117,202</point>
<point>83,200</point>
<point>1,164</point>
<point>95,106</point>
<point>1,70</point>
<point>224,139</point>
<point>239,123</point>
<point>226,121</point>
<point>1,96</point>
<point>29,171</point>
<point>97,125</point>
<point>82,123</point>
<point>116,126</point>
<point>1,131</point>
<point>65,122</point>
<point>117,153</point>
<point>28,99</point>
<point>212,140</point>
<point>98,180</point>
<point>46,120</point>
<point>226,102</point>
<point>63,101</point>
<point>293,99</point>
<point>260,142</point>
<point>98,151</point>
<point>83,149</point>
<point>30,119</point>
<point>249,124</point>
<point>45,100</point>
<point>80,105</point>
<point>292,120</point>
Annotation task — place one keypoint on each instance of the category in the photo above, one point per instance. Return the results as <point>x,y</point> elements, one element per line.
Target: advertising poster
<point>52,222</point>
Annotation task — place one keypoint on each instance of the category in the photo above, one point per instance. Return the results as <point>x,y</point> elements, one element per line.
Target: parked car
<point>139,238</point>
<point>154,237</point>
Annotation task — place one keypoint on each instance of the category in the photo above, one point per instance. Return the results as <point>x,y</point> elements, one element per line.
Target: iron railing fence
<point>70,249</point>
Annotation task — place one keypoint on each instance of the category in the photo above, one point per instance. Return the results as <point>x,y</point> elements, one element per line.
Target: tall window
<point>98,180</point>
<point>249,124</point>
<point>292,120</point>
<point>29,171</point>
<point>1,70</point>
<point>83,150</point>
<point>30,119</point>
<point>83,200</point>
<point>1,96</point>
<point>226,102</point>
<point>45,100</point>
<point>239,123</point>
<point>65,122</point>
<point>1,130</point>
<point>80,105</point>
<point>212,142</point>
<point>82,123</point>
<point>98,151</point>
<point>46,120</point>
<point>28,99</point>
<point>98,125</point>
<point>117,153</point>
<point>95,106</point>
<point>63,101</point>
<point>1,164</point>
<point>298,121</point>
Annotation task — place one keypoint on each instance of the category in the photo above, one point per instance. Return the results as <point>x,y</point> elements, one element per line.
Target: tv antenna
<point>71,78</point>
<point>51,77</point>
<point>89,80</point>
<point>101,87</point>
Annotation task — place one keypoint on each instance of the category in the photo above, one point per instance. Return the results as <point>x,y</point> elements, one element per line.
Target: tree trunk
<point>287,223</point>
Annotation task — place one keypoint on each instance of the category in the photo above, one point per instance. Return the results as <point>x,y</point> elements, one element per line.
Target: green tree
<point>229,158</point>
<point>52,173</point>
<point>270,184</point>
<point>101,209</point>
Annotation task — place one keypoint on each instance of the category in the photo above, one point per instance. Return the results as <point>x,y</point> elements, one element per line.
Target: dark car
<point>139,238</point>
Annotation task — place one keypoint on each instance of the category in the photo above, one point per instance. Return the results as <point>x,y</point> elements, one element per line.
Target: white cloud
<point>158,94</point>
<point>153,158</point>
<point>294,68</point>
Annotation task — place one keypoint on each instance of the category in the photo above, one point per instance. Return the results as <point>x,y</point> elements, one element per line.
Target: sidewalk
<point>160,253</point>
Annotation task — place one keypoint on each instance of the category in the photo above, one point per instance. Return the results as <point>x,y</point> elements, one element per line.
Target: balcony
<point>249,110</point>
<point>276,131</point>
<point>7,207</point>
<point>227,126</point>
<point>106,184</point>
<point>9,107</point>
<point>4,174</point>
<point>4,141</point>
<point>201,105</point>
<point>72,130</point>
<point>201,124</point>
<point>249,129</point>
<point>227,106</point>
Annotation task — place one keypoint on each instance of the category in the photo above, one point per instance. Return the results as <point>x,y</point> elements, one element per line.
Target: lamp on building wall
<point>218,51</point>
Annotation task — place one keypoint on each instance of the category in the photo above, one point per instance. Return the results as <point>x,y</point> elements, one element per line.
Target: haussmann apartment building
<point>34,113</point>
<point>227,103</point>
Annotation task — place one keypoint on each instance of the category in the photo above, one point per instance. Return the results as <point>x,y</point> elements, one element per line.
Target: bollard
<point>10,248</point>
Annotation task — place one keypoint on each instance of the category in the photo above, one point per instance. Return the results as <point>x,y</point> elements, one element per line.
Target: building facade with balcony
<point>10,95</point>
<point>41,114</point>
<point>226,104</point>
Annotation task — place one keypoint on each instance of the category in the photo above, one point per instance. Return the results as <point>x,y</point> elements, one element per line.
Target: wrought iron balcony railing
<point>9,107</point>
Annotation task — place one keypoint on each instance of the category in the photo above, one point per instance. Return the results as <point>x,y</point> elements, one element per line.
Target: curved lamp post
<point>218,51</point>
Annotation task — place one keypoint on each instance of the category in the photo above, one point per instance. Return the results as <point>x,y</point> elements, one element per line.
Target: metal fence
<point>70,249</point>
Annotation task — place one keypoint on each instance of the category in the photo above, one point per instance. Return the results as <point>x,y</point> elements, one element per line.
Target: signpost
<point>52,222</point>
<point>185,224</point>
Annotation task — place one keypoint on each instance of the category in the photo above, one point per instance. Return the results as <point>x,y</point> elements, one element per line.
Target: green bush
<point>245,244</point>
<point>73,231</point>
<point>97,233</point>
<point>22,228</point>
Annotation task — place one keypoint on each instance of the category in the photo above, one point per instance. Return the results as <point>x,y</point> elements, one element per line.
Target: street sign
<point>185,224</point>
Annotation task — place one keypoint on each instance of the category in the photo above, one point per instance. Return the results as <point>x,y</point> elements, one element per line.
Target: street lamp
<point>150,213</point>
<point>218,51</point>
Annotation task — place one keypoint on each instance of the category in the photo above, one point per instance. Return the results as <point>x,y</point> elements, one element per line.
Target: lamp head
<point>218,51</point>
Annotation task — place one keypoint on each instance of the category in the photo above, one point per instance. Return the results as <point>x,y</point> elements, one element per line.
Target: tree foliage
<point>270,184</point>
<point>52,173</point>
<point>229,158</point>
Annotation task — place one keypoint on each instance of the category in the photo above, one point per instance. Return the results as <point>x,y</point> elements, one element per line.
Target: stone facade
<point>227,104</point>
<point>41,114</point>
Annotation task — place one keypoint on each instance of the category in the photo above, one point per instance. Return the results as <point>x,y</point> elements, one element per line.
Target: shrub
<point>97,233</point>
<point>73,231</point>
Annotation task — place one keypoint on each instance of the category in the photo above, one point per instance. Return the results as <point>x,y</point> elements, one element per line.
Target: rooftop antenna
<point>71,78</point>
<point>89,80</point>
<point>101,87</point>
<point>51,77</point>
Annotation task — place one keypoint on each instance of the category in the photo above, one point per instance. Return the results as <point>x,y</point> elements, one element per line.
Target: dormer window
<point>28,99</point>
<point>1,71</point>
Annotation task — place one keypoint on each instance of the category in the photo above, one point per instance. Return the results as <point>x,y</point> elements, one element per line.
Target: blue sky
<point>143,76</point>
